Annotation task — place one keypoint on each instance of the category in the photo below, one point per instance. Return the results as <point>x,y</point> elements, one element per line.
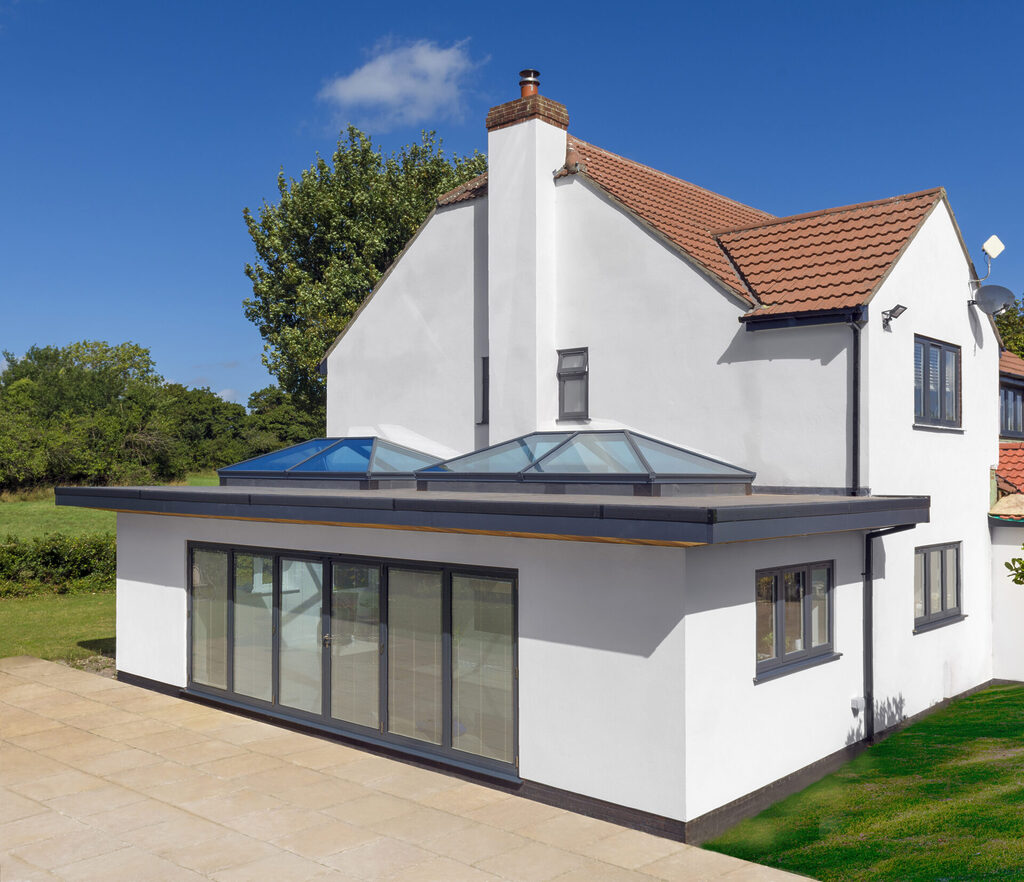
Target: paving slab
<point>104,780</point>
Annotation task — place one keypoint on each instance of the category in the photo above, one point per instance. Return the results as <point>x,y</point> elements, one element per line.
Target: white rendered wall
<point>740,735</point>
<point>601,691</point>
<point>152,607</point>
<point>1007,604</point>
<point>913,672</point>
<point>668,355</point>
<point>522,254</point>
<point>408,367</point>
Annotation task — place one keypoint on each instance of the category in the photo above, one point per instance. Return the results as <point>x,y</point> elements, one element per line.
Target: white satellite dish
<point>993,299</point>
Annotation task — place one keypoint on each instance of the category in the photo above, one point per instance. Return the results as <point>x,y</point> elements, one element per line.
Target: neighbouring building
<point>634,497</point>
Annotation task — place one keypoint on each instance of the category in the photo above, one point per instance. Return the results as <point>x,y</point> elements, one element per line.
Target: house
<point>645,501</point>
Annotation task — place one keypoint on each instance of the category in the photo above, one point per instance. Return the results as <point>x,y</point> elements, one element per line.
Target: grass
<point>68,628</point>
<point>33,513</point>
<point>941,800</point>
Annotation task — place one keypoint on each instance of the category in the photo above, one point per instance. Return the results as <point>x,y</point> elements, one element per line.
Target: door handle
<point>327,638</point>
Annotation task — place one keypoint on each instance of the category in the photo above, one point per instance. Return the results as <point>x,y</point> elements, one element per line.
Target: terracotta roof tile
<point>1011,364</point>
<point>832,259</point>
<point>464,192</point>
<point>682,212</point>
<point>1011,464</point>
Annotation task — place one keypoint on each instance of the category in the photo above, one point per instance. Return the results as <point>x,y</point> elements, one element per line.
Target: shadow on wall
<point>790,344</point>
<point>889,712</point>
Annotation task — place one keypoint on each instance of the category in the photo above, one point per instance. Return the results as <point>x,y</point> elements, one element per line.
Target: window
<point>573,391</point>
<point>936,383</point>
<point>936,583</point>
<point>794,615</point>
<point>419,656</point>
<point>485,391</point>
<point>1011,410</point>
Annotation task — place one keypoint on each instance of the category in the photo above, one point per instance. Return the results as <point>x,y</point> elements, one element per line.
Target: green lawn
<point>941,800</point>
<point>35,514</point>
<point>53,627</point>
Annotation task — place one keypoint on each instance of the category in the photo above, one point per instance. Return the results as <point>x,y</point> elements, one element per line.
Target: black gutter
<point>755,321</point>
<point>869,627</point>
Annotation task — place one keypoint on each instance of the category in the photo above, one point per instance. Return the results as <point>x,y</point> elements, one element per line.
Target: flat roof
<point>673,521</point>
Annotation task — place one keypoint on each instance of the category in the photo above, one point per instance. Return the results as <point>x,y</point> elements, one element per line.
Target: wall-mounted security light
<point>889,314</point>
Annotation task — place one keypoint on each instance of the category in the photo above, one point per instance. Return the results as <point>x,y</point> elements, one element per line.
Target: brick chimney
<point>525,145</point>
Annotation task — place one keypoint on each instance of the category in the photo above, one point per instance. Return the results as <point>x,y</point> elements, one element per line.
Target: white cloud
<point>228,394</point>
<point>403,85</point>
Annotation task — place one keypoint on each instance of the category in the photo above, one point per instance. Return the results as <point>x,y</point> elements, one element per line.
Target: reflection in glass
<point>949,386</point>
<point>919,585</point>
<point>210,618</point>
<point>355,644</point>
<point>606,453</point>
<point>254,626</point>
<point>793,609</point>
<point>300,659</point>
<point>950,573</point>
<point>933,382</point>
<point>482,673</point>
<point>935,581</point>
<point>414,654</point>
<point>819,606</point>
<point>919,379</point>
<point>765,617</point>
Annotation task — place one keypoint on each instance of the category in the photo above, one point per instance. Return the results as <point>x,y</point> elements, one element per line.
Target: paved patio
<point>102,780</point>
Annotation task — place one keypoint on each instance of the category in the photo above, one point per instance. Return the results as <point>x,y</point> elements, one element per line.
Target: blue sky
<point>132,134</point>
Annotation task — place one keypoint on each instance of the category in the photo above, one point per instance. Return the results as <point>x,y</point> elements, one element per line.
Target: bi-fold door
<point>421,656</point>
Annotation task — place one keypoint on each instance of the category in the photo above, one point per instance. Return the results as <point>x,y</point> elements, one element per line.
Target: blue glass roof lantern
<point>594,456</point>
<point>368,457</point>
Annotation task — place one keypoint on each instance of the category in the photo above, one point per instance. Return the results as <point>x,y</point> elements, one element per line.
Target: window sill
<point>799,665</point>
<point>947,430</point>
<point>923,627</point>
<point>577,420</point>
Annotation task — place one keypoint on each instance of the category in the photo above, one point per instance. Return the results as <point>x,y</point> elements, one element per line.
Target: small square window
<point>936,383</point>
<point>793,612</point>
<point>573,384</point>
<point>936,583</point>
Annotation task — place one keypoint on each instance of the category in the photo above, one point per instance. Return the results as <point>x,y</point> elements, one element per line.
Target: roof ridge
<point>934,191</point>
<point>673,178</point>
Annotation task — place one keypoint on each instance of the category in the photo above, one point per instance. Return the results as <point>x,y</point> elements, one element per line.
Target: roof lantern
<point>588,461</point>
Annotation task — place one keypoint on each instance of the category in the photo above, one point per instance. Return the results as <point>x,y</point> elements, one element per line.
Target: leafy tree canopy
<point>323,247</point>
<point>1011,328</point>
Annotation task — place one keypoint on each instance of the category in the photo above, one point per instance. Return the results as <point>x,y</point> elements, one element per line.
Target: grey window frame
<point>947,615</point>
<point>485,390</point>
<point>784,662</point>
<point>1010,393</point>
<point>323,721</point>
<point>582,373</point>
<point>943,420</point>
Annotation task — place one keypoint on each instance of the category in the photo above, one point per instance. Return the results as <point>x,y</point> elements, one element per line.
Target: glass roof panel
<point>508,458</point>
<point>668,460</point>
<point>593,454</point>
<point>280,460</point>
<point>349,455</point>
<point>388,457</point>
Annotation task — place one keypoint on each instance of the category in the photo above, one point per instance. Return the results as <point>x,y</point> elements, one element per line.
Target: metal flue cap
<point>529,82</point>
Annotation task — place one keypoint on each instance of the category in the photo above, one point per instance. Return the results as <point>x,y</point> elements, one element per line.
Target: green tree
<point>208,431</point>
<point>324,246</point>
<point>275,421</point>
<point>1011,328</point>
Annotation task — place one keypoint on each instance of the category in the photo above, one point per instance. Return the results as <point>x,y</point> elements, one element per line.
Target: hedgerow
<point>58,564</point>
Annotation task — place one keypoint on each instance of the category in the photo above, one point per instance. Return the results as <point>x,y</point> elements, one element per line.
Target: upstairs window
<point>573,384</point>
<point>936,584</point>
<point>936,383</point>
<point>1011,410</point>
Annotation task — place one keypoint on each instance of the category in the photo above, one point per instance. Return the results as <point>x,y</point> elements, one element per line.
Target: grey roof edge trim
<point>652,524</point>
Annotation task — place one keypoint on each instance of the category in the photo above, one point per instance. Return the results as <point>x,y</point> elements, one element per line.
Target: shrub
<point>58,564</point>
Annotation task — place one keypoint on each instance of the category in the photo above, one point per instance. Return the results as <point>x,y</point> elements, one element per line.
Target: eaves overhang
<point>622,520</point>
<point>764,321</point>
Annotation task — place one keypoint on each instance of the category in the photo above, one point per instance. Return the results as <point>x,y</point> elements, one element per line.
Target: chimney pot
<point>529,83</point>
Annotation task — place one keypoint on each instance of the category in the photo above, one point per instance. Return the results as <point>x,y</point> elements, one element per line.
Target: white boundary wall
<point>1007,604</point>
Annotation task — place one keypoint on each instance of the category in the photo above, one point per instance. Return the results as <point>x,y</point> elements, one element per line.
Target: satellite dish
<point>993,299</point>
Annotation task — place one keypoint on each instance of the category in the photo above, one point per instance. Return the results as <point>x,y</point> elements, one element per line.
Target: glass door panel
<point>355,644</point>
<point>482,668</point>
<point>210,618</point>
<point>301,656</point>
<point>414,654</point>
<point>254,626</point>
